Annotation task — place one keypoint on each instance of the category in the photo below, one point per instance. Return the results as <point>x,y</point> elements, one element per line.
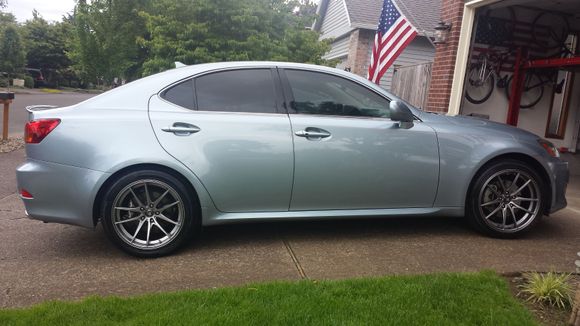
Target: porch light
<point>442,32</point>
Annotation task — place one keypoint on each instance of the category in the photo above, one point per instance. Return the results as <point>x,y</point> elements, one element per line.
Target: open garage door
<point>522,67</point>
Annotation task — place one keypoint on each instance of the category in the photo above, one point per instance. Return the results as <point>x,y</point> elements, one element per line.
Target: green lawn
<point>440,299</point>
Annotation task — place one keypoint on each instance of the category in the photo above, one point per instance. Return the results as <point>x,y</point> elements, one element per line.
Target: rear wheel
<point>532,90</point>
<point>506,199</point>
<point>148,213</point>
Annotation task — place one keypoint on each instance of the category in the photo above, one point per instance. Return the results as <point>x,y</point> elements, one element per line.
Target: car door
<point>349,154</point>
<point>228,129</point>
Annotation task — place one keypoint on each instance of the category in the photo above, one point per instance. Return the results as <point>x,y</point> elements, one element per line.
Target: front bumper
<point>61,193</point>
<point>560,177</point>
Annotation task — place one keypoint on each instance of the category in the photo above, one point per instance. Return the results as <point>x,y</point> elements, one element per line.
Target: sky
<point>51,10</point>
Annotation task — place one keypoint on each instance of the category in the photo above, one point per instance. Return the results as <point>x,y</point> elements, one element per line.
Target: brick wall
<point>358,51</point>
<point>445,54</point>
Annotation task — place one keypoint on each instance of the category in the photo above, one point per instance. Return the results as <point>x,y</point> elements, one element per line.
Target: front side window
<point>324,94</point>
<point>245,90</point>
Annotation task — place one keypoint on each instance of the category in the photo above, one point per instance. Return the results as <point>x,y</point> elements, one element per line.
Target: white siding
<point>420,50</point>
<point>339,48</point>
<point>335,21</point>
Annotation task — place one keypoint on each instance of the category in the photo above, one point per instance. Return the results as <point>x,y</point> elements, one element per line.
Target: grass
<point>440,299</point>
<point>549,288</point>
<point>50,90</point>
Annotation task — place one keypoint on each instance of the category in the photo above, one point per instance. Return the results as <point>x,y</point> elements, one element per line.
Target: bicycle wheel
<point>479,85</point>
<point>532,92</point>
<point>550,30</point>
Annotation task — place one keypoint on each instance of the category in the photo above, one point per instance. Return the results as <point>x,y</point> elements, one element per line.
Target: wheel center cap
<point>149,213</point>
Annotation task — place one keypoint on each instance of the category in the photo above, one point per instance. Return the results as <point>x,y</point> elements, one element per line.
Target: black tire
<point>470,90</point>
<point>173,209</point>
<point>480,208</point>
<point>530,97</point>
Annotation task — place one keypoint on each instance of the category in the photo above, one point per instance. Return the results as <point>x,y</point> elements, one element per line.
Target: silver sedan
<point>156,159</point>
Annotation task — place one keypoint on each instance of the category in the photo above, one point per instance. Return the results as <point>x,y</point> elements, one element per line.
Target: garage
<point>517,63</point>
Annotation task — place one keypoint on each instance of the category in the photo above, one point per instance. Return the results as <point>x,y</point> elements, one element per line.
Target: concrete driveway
<point>41,262</point>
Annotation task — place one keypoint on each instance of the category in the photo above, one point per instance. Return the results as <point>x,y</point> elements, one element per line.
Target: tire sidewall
<point>473,213</point>
<point>190,222</point>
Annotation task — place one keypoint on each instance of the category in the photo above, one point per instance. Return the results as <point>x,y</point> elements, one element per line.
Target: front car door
<point>349,154</point>
<point>229,129</point>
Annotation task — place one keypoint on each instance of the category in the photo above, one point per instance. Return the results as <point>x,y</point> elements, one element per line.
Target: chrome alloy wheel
<point>509,200</point>
<point>147,214</point>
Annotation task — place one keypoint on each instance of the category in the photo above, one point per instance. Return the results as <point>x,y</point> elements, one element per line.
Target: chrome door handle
<point>314,133</point>
<point>182,129</point>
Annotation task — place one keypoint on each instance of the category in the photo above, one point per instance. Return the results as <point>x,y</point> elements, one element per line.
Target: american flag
<point>394,33</point>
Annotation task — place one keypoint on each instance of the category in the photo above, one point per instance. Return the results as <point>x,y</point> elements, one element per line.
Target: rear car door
<point>229,129</point>
<point>349,154</point>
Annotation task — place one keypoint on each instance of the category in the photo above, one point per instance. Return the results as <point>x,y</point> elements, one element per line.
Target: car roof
<point>136,94</point>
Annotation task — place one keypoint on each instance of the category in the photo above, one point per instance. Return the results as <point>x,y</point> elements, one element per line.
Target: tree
<point>104,39</point>
<point>11,52</point>
<point>223,30</point>
<point>46,45</point>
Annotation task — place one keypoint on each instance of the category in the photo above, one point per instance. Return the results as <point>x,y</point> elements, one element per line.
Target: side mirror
<point>399,111</point>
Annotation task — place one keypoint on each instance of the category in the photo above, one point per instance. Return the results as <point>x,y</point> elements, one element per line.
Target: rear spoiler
<point>32,108</point>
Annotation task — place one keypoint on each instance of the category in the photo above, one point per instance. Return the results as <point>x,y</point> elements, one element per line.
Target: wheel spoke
<point>521,208</point>
<point>501,183</point>
<point>156,202</point>
<point>129,219</point>
<point>495,201</point>
<point>167,219</point>
<point>521,188</point>
<point>147,197</point>
<point>168,206</point>
<point>493,212</point>
<point>148,231</point>
<point>526,199</point>
<point>514,215</point>
<point>504,217</point>
<point>160,227</point>
<point>514,184</point>
<point>136,198</point>
<point>137,230</point>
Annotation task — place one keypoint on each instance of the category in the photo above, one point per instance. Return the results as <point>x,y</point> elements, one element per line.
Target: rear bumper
<point>560,177</point>
<point>61,193</point>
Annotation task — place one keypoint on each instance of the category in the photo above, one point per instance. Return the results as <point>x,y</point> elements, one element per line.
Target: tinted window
<point>181,94</point>
<point>319,93</point>
<point>248,90</point>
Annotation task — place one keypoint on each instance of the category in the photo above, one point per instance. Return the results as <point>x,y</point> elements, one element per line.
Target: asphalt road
<point>41,262</point>
<point>18,114</point>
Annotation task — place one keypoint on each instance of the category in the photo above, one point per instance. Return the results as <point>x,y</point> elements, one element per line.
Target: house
<point>352,25</point>
<point>525,33</point>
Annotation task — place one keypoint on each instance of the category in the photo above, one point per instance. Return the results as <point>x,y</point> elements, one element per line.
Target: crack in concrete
<point>297,264</point>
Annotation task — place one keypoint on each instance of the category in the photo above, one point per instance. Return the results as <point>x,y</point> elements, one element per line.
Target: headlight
<point>549,147</point>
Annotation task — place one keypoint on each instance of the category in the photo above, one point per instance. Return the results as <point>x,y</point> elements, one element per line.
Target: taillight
<point>25,194</point>
<point>35,131</point>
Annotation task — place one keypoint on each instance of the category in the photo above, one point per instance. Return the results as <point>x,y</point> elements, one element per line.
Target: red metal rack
<point>521,66</point>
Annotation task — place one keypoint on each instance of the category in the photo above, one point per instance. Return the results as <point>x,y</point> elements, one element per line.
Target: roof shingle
<point>423,14</point>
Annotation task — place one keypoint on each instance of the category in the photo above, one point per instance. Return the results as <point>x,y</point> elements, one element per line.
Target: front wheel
<point>480,84</point>
<point>148,213</point>
<point>506,199</point>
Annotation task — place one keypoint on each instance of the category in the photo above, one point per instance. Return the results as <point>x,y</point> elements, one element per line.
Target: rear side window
<point>181,94</point>
<point>246,90</point>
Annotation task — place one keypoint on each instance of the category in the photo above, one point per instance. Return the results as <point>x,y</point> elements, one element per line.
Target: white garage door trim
<point>463,53</point>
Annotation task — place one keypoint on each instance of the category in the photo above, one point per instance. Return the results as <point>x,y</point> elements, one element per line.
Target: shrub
<point>28,82</point>
<point>550,288</point>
